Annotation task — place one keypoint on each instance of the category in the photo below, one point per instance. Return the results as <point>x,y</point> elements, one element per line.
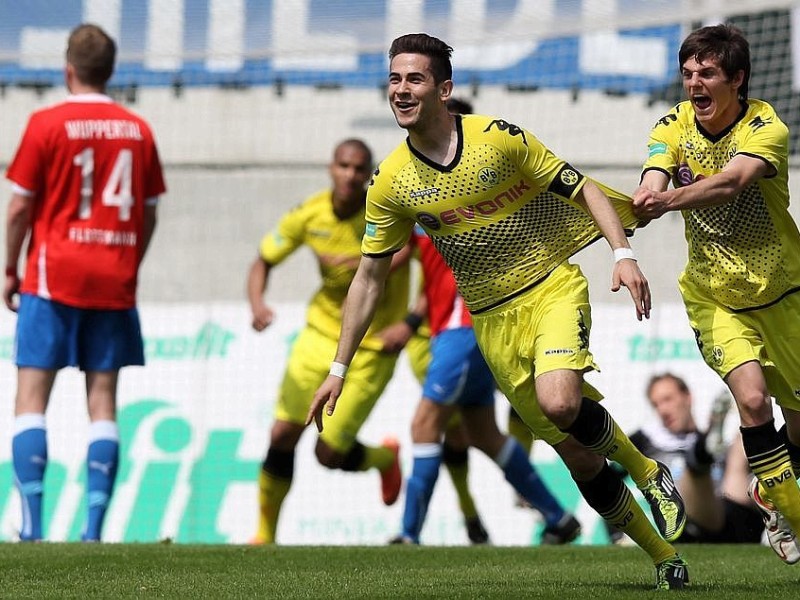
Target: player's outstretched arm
<point>359,308</point>
<point>626,269</point>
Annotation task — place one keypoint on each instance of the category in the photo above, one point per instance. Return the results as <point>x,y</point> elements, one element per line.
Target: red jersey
<point>446,309</point>
<point>90,166</point>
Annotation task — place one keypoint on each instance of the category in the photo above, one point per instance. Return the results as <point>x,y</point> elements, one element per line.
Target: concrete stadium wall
<point>238,159</point>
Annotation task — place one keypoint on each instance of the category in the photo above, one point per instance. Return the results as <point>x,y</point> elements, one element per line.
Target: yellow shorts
<point>769,335</point>
<point>542,330</point>
<point>418,349</point>
<point>308,367</point>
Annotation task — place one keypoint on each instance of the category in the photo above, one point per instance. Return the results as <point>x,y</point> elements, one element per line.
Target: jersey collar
<point>717,137</point>
<point>89,98</point>
<point>453,163</point>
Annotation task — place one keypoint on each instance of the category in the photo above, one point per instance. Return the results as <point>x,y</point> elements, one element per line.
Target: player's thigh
<point>109,340</point>
<point>367,377</point>
<point>419,355</point>
<point>725,339</point>
<point>564,321</point>
<point>307,367</point>
<point>47,334</point>
<point>780,330</point>
<point>457,373</point>
<point>505,335</point>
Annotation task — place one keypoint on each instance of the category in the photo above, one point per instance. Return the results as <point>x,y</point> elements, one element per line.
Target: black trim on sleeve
<point>664,171</point>
<point>566,181</point>
<point>381,254</point>
<point>769,164</point>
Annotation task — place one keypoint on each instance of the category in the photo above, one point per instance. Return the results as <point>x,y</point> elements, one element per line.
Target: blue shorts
<point>51,335</point>
<point>457,373</point>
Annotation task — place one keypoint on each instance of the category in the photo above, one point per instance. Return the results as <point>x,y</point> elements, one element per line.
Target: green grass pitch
<point>210,572</point>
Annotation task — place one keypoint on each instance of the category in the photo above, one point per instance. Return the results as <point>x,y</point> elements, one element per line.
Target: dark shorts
<point>743,525</point>
<point>51,335</point>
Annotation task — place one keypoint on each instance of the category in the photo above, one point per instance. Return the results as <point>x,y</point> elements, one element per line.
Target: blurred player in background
<point>458,378</point>
<point>331,223</point>
<point>506,215</point>
<point>712,475</point>
<point>86,180</point>
<point>727,157</point>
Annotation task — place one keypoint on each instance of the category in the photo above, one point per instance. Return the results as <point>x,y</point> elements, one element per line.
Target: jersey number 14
<point>117,189</point>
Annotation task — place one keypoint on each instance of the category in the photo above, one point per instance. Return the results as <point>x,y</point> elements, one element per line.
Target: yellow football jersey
<point>744,254</point>
<point>502,213</point>
<point>337,245</point>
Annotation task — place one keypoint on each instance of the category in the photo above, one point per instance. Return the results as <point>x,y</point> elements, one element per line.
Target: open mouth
<point>701,101</point>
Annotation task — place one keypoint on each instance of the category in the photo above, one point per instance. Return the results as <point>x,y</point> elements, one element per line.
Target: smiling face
<point>714,95</point>
<point>415,97</point>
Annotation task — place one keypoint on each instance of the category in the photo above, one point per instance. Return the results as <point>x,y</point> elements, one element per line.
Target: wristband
<point>338,369</point>
<point>11,272</point>
<point>623,253</point>
<point>413,320</point>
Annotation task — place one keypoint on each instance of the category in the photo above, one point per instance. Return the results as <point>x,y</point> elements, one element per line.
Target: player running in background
<point>458,379</point>
<point>86,180</point>
<point>332,224</point>
<point>727,157</point>
<point>506,215</point>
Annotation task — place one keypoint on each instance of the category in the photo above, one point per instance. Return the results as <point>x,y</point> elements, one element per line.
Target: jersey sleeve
<point>287,236</point>
<point>387,230</point>
<point>540,165</point>
<point>26,169</point>
<point>155,173</point>
<point>768,140</point>
<point>662,146</point>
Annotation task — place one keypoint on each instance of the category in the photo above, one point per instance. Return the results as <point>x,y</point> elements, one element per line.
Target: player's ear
<point>445,90</point>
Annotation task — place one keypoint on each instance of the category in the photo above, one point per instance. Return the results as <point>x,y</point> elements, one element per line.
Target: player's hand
<point>262,317</point>
<point>649,204</point>
<point>628,274</point>
<point>395,336</point>
<point>325,398</point>
<point>10,290</point>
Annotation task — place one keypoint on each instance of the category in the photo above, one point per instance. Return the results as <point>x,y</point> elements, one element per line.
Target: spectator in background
<point>711,476</point>
<point>331,223</point>
<point>506,214</point>
<point>86,180</point>
<point>727,157</point>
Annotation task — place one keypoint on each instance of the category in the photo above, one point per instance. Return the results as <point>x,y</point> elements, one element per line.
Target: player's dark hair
<point>726,44</point>
<point>91,52</point>
<point>358,143</point>
<point>458,106</point>
<point>667,377</point>
<point>434,48</point>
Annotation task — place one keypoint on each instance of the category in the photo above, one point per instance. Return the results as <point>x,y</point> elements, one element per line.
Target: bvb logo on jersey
<point>488,177</point>
<point>718,355</point>
<point>569,177</point>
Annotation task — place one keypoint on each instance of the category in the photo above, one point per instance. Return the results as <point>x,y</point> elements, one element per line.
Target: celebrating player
<point>332,224</point>
<point>506,215</point>
<point>86,181</point>
<point>727,157</point>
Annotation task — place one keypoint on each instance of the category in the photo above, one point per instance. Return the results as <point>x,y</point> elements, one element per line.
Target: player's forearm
<point>257,279</point>
<point>598,205</point>
<point>150,221</point>
<point>713,191</point>
<point>18,223</point>
<point>359,309</point>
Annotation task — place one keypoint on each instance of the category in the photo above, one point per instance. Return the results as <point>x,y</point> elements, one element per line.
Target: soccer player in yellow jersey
<point>726,155</point>
<point>332,224</point>
<point>506,214</point>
